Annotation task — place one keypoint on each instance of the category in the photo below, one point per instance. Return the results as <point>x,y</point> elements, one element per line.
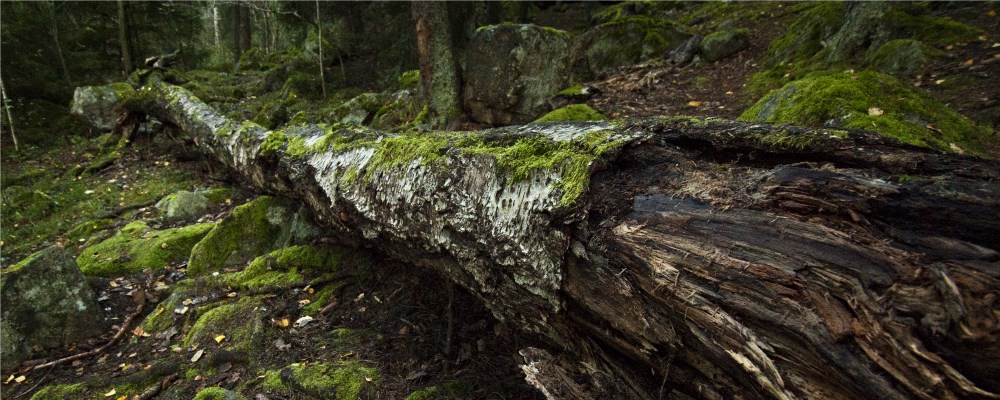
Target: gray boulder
<point>511,72</point>
<point>45,301</point>
<point>723,44</point>
<point>96,105</point>
<point>623,41</point>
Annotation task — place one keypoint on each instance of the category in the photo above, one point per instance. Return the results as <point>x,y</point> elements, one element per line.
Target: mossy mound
<point>255,228</point>
<point>724,43</point>
<point>349,380</point>
<point>240,321</point>
<point>871,101</point>
<point>899,57</point>
<point>284,267</point>
<point>184,204</point>
<point>572,112</point>
<point>58,392</point>
<point>403,113</point>
<point>409,79</point>
<point>217,393</point>
<point>623,41</point>
<point>138,247</point>
<point>835,35</point>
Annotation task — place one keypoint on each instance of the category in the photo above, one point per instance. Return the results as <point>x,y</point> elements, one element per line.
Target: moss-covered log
<point>669,258</point>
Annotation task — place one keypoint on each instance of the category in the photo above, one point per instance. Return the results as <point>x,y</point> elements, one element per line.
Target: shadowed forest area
<point>269,199</point>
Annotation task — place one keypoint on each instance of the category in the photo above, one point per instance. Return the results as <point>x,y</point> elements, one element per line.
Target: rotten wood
<point>708,259</point>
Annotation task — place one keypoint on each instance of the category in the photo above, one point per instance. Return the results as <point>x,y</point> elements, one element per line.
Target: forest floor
<point>418,331</point>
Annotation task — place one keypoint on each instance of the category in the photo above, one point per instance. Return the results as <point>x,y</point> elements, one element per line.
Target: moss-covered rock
<point>573,112</point>
<point>724,43</point>
<point>185,205</point>
<point>252,229</point>
<point>240,321</point>
<point>349,380</point>
<point>217,393</point>
<point>871,101</point>
<point>96,105</point>
<point>138,247</point>
<point>404,112</point>
<point>899,57</point>
<point>512,71</point>
<point>45,301</point>
<point>359,110</point>
<point>284,267</point>
<point>58,392</point>
<point>623,41</point>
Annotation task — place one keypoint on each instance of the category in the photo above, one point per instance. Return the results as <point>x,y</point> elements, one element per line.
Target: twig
<point>121,332</point>
<point>152,391</point>
<point>36,384</point>
<point>6,106</point>
<point>447,337</point>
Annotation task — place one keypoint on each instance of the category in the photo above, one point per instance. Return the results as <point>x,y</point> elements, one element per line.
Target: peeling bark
<point>708,259</point>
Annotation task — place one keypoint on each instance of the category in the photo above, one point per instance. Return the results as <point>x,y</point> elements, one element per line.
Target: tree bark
<point>123,39</point>
<point>319,35</point>
<point>708,259</point>
<point>54,29</point>
<point>7,110</point>
<point>438,69</point>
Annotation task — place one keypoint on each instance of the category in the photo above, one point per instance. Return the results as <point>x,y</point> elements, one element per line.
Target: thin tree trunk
<point>438,67</point>
<point>6,106</point>
<point>55,38</point>
<point>319,35</point>
<point>705,258</point>
<point>215,26</point>
<point>123,39</point>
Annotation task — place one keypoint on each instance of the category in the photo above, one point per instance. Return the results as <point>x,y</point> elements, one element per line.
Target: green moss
<point>409,79</point>
<point>929,29</point>
<point>572,112</point>
<point>285,267</point>
<point>252,229</point>
<point>58,392</point>
<point>321,298</point>
<point>349,380</point>
<point>217,393</point>
<point>137,247</point>
<point>449,390</point>
<point>574,90</point>
<point>848,100</point>
<point>85,230</point>
<point>805,37</point>
<point>899,57</point>
<point>237,320</point>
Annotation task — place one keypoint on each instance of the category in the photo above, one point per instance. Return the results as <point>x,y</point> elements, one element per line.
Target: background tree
<point>438,69</point>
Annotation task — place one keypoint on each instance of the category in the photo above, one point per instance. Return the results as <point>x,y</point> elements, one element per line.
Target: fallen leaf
<point>163,245</point>
<point>281,345</point>
<point>111,393</point>
<point>231,294</point>
<point>939,81</point>
<point>404,330</point>
<point>992,13</point>
<point>969,62</point>
<point>304,302</point>
<point>359,298</point>
<point>10,378</point>
<point>88,192</point>
<point>113,284</point>
<point>220,338</point>
<point>368,379</point>
<point>729,93</point>
<point>197,355</point>
<point>303,321</point>
<point>20,379</point>
<point>181,310</point>
<point>310,290</point>
<point>281,323</point>
<point>694,103</point>
<point>166,163</point>
<point>875,111</point>
<point>122,397</point>
<point>138,331</point>
<point>187,302</point>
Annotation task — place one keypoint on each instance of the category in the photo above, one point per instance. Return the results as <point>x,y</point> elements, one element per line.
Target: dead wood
<point>708,259</point>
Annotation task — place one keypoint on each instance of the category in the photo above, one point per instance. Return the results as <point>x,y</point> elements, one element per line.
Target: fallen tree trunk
<point>669,258</point>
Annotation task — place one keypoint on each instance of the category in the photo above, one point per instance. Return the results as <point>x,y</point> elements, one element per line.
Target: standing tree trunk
<point>438,68</point>
<point>123,39</point>
<point>54,29</point>
<point>670,257</point>
<point>241,31</point>
<point>215,26</point>
<point>319,38</point>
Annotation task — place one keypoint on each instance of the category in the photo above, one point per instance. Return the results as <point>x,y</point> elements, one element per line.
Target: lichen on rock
<point>46,301</point>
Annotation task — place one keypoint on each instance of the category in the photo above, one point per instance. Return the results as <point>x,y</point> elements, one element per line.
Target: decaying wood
<point>709,259</point>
